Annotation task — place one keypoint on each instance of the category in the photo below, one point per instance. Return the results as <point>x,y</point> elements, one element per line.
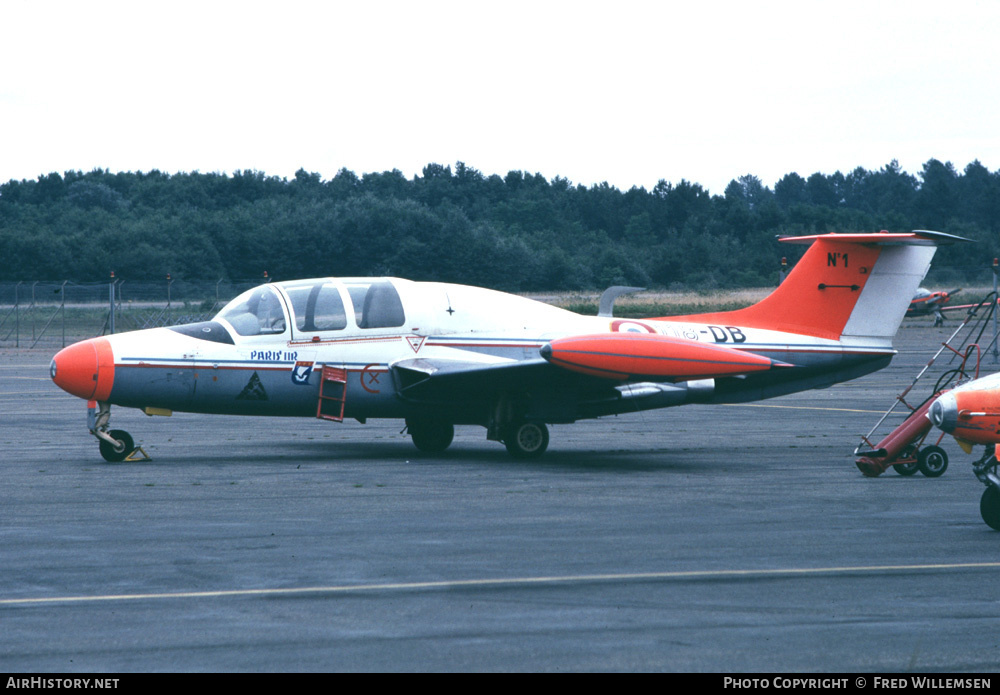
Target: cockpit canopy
<point>256,312</point>
<point>315,306</point>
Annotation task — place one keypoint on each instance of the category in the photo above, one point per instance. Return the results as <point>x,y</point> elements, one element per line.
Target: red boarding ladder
<point>901,448</point>
<point>332,394</point>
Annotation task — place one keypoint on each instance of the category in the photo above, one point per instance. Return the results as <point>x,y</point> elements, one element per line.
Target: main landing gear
<point>430,436</point>
<point>509,423</point>
<point>115,445</point>
<point>524,440</point>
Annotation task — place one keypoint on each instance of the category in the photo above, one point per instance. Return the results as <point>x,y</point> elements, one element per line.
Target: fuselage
<point>263,355</point>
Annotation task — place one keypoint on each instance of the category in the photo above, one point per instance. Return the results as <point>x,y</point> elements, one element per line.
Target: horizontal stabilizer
<point>918,237</point>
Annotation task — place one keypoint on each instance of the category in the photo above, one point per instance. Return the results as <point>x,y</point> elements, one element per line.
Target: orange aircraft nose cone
<point>85,369</point>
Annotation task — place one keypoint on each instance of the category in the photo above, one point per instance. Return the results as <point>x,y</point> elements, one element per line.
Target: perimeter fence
<point>53,314</point>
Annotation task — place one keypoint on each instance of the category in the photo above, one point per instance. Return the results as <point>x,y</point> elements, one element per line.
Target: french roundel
<point>631,327</point>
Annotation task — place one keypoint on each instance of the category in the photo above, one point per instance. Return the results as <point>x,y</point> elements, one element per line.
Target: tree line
<point>519,232</point>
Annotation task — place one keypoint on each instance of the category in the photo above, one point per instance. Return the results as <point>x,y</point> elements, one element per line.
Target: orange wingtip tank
<point>624,356</point>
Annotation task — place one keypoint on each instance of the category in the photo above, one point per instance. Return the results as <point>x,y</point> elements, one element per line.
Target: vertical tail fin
<point>850,285</point>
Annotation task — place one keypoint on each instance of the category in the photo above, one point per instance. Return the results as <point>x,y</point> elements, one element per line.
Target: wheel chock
<point>133,457</point>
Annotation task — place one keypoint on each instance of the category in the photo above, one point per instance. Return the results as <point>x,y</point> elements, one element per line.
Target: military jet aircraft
<point>438,355</point>
<point>925,302</point>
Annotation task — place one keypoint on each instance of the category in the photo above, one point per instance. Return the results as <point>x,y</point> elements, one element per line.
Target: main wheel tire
<point>932,461</point>
<point>527,440</point>
<point>113,454</point>
<point>431,436</point>
<point>989,507</point>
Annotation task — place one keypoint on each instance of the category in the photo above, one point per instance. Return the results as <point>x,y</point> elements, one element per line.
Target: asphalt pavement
<point>723,539</point>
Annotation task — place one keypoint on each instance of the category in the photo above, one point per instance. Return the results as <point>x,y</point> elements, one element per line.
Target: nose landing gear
<point>115,445</point>
<point>121,449</point>
<point>989,504</point>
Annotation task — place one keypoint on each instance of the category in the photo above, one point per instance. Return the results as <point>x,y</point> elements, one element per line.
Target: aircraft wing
<point>583,363</point>
<point>426,379</point>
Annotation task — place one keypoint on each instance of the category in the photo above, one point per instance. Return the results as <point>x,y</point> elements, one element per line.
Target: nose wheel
<point>119,451</point>
<point>115,445</point>
<point>989,504</point>
<point>989,507</point>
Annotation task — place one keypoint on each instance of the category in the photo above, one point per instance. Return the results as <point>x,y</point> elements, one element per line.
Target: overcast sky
<point>623,92</point>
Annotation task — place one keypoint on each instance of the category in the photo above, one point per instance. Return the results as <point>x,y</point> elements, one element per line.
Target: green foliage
<point>515,232</point>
